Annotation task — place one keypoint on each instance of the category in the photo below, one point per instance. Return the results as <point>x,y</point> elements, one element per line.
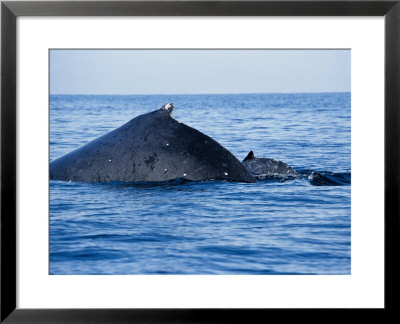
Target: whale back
<point>150,147</point>
<point>265,166</point>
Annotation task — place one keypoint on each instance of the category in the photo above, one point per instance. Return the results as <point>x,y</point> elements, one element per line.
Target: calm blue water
<point>213,227</point>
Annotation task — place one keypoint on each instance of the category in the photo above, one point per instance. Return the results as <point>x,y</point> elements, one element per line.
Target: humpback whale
<point>150,147</point>
<point>266,167</point>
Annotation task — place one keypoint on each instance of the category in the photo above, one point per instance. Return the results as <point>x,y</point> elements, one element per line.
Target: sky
<point>198,71</point>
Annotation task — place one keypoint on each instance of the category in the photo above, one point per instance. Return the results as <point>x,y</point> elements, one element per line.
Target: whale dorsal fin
<point>168,107</point>
<point>249,156</point>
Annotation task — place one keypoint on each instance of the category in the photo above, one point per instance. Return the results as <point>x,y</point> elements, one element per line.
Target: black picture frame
<point>10,10</point>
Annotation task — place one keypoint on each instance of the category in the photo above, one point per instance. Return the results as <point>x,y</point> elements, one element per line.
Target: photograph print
<point>200,162</point>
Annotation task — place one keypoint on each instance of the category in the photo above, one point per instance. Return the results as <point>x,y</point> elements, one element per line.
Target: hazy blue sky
<point>198,71</point>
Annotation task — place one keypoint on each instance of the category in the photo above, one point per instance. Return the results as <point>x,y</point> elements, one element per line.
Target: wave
<point>315,178</point>
<point>327,178</point>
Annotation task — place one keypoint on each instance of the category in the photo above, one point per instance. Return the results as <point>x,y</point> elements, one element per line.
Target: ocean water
<point>275,226</point>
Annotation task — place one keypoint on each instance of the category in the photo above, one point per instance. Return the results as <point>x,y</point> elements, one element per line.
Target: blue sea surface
<point>274,226</point>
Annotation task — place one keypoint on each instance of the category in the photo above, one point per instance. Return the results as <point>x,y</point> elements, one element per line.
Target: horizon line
<point>192,94</point>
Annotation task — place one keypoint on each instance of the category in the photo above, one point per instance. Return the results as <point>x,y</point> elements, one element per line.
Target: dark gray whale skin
<point>150,147</point>
<point>267,167</point>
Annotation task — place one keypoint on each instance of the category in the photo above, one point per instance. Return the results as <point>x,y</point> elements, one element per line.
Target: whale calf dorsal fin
<point>261,167</point>
<point>249,156</point>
